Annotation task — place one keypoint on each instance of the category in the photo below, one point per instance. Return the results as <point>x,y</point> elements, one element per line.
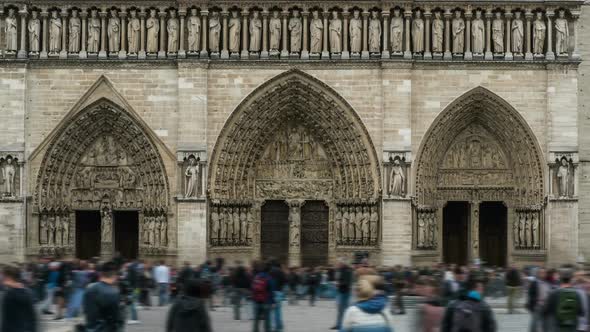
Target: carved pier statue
<point>8,176</point>
<point>335,33</point>
<point>498,33</point>
<point>356,33</point>
<point>10,31</point>
<point>397,31</point>
<point>437,33</point>
<point>295,29</point>
<point>255,32</point>
<point>51,226</point>
<point>374,221</point>
<point>214,31</point>
<point>235,28</point>
<point>152,26</point>
<point>114,32</point>
<point>55,30</point>
<point>422,231</point>
<point>563,178</point>
<point>517,34</point>
<point>539,33</point>
<point>316,30</point>
<point>43,229</point>
<point>243,226</point>
<point>34,28</point>
<point>535,230</point>
<point>366,226</point>
<point>418,33</point>
<point>173,30</point>
<point>75,28</point>
<point>133,32</point>
<point>93,32</point>
<point>338,225</point>
<point>478,33</point>
<point>214,226</point>
<point>561,34</point>
<point>192,175</point>
<point>458,29</point>
<point>374,33</point>
<point>275,26</point>
<point>397,179</point>
<point>194,32</point>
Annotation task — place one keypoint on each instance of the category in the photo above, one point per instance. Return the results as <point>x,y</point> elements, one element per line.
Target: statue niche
<point>294,165</point>
<point>9,177</point>
<point>474,159</point>
<point>397,174</point>
<point>563,172</point>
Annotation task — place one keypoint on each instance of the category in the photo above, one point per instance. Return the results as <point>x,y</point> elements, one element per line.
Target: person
<point>453,285</point>
<point>262,295</point>
<point>51,280</point>
<point>279,281</point>
<point>162,278</point>
<point>429,315</point>
<point>132,279</point>
<point>240,282</point>
<point>79,282</point>
<point>399,283</point>
<point>369,314</point>
<point>537,294</point>
<point>188,313</point>
<point>470,312</point>
<point>344,286</point>
<point>185,274</point>
<point>145,283</point>
<point>565,306</point>
<point>293,280</point>
<point>313,282</point>
<point>101,302</point>
<point>513,283</point>
<point>18,311</point>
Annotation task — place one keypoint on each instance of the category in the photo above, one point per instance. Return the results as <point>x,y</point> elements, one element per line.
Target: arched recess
<point>102,157</point>
<point>480,149</point>
<point>257,157</point>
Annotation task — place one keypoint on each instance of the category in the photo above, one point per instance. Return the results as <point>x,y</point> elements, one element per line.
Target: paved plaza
<point>299,318</point>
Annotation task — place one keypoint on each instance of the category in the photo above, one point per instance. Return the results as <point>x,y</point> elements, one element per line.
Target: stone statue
<point>158,231</point>
<point>75,28</point>
<point>65,226</point>
<point>223,226</point>
<point>295,28</point>
<point>358,222</point>
<point>114,32</point>
<point>535,230</point>
<point>55,29</point>
<point>422,230</point>
<point>34,28</point>
<point>93,32</point>
<point>478,32</point>
<point>173,29</point>
<point>397,32</point>
<point>194,32</point>
<point>243,226</point>
<point>8,175</point>
<point>522,231</point>
<point>214,225</point>
<point>516,233</point>
<point>294,227</point>
<point>356,33</point>
<point>374,221</point>
<point>106,227</point>
<point>432,231</point>
<point>338,224</point>
<point>152,26</point>
<point>498,33</point>
<point>539,33</point>
<point>561,33</point>
<point>316,29</point>
<point>255,32</point>
<point>366,225</point>
<point>527,227</point>
<point>458,30</point>
<point>234,32</point>
<point>43,229</point>
<point>214,30</point>
<point>374,33</point>
<point>164,232</point>
<point>236,220</point>
<point>133,32</point>
<point>397,179</point>
<point>418,32</point>
<point>563,176</point>
<point>274,26</point>
<point>11,31</point>
<point>517,34</point>
<point>345,225</point>
<point>438,28</point>
<point>51,226</point>
<point>335,33</point>
<point>249,225</point>
<point>149,230</point>
<point>192,174</point>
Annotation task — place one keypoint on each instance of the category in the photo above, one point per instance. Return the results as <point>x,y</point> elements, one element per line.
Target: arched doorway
<point>101,188</point>
<point>479,168</point>
<point>294,139</point>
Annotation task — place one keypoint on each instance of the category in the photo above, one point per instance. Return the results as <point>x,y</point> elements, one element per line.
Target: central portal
<point>455,230</point>
<point>314,234</point>
<point>126,233</point>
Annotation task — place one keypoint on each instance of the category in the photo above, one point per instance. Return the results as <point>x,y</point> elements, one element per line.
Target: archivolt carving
<point>330,146</point>
<point>480,143</point>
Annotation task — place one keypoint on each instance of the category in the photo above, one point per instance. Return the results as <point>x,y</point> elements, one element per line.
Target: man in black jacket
<point>470,312</point>
<point>240,284</point>
<point>101,302</point>
<point>188,313</point>
<point>344,286</point>
<point>18,313</point>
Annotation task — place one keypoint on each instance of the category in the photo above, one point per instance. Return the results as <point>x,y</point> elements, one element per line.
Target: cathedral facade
<point>409,132</point>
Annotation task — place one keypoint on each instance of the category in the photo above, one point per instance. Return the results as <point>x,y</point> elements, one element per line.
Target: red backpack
<point>260,292</point>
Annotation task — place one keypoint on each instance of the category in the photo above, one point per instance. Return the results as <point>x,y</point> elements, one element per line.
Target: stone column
<point>474,231</point>
<point>325,51</point>
<point>102,54</point>
<point>285,35</point>
<point>529,17</point>
<point>44,32</point>
<point>508,34</point>
<point>205,32</point>
<point>295,231</point>
<point>386,54</point>
<point>245,29</point>
<point>225,48</point>
<point>22,51</point>
<point>304,51</point>
<point>549,55</point>
<point>448,55</point>
<point>141,54</point>
<point>427,53</point>
<point>488,54</point>
<point>122,48</point>
<point>345,52</point>
<point>576,19</point>
<point>182,18</point>
<point>365,53</point>
<point>264,52</point>
<point>468,55</point>
<point>83,54</point>
<point>64,35</point>
<point>163,32</point>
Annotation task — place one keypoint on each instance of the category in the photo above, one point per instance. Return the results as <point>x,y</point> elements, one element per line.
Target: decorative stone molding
<point>302,30</point>
<point>193,167</point>
<point>563,175</point>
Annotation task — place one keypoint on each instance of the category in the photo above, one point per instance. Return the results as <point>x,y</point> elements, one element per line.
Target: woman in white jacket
<point>369,314</point>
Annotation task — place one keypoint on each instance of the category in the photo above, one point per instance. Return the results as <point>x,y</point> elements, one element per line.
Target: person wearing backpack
<point>469,313</point>
<point>262,295</point>
<point>565,306</point>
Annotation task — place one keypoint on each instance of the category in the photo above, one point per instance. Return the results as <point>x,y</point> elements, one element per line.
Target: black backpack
<point>467,317</point>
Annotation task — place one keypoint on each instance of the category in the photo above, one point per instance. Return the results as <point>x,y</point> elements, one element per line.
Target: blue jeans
<point>48,301</point>
<point>75,302</point>
<point>261,312</point>
<point>162,294</point>
<point>343,300</point>
<point>278,311</point>
<point>133,304</point>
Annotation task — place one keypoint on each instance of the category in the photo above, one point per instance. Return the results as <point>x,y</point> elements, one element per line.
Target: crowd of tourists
<point>107,295</point>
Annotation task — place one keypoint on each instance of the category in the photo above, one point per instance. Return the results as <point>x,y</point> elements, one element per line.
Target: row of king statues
<point>231,225</point>
<point>54,230</point>
<point>527,231</point>
<point>329,33</point>
<point>357,225</point>
<point>154,232</point>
